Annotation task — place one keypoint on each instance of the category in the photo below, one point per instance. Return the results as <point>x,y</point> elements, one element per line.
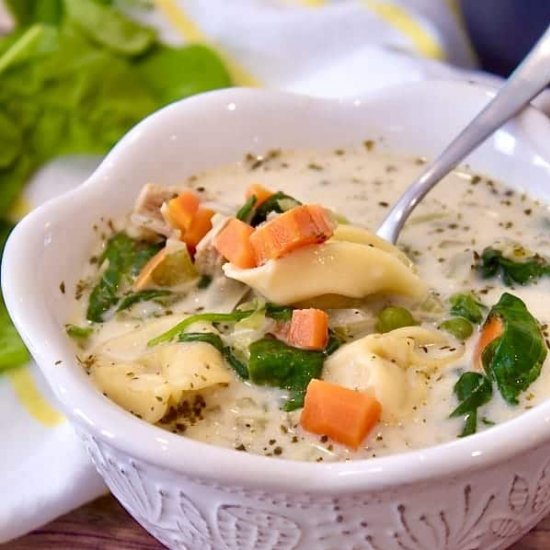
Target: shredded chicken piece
<point>147,209</point>
<point>208,260</point>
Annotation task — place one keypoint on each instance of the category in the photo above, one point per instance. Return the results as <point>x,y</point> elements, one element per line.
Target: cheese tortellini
<point>354,263</point>
<point>392,366</point>
<point>148,382</point>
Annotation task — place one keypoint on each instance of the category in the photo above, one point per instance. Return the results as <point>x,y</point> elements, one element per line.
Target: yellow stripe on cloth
<point>192,33</point>
<point>312,3</point>
<point>32,400</point>
<point>402,21</point>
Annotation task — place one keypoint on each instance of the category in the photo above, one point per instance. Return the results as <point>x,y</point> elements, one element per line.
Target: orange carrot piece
<point>260,192</point>
<point>301,226</point>
<point>200,225</point>
<point>344,415</point>
<point>490,331</point>
<point>308,329</point>
<point>145,275</point>
<point>233,243</point>
<point>182,209</point>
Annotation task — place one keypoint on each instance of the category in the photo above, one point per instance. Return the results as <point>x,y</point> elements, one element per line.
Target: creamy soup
<point>407,320</point>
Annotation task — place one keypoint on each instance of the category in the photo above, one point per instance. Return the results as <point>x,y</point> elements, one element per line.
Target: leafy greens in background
<point>75,75</point>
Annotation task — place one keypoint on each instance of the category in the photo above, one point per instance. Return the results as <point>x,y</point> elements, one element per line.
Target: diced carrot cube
<point>308,329</point>
<point>260,192</point>
<point>490,331</point>
<point>201,224</point>
<point>233,243</point>
<point>344,415</point>
<point>304,225</point>
<point>145,275</point>
<point>182,209</point>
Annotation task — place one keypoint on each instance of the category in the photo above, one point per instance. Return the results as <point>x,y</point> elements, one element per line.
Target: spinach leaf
<point>27,12</point>
<point>173,73</point>
<point>274,363</point>
<point>523,270</point>
<point>279,313</point>
<point>278,202</point>
<point>514,359</point>
<point>473,390</point>
<point>125,258</point>
<point>172,333</point>
<point>76,84</point>
<point>245,210</point>
<point>466,305</point>
<point>214,340</point>
<point>109,27</point>
<point>143,296</point>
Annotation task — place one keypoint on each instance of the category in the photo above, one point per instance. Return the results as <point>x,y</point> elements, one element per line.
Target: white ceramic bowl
<point>483,491</point>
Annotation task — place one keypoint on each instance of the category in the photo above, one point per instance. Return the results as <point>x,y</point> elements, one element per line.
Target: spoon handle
<point>524,84</point>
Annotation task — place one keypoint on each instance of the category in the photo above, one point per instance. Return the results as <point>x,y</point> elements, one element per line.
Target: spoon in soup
<point>523,85</point>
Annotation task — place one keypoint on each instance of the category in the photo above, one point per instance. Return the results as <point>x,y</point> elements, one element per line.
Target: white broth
<point>462,216</point>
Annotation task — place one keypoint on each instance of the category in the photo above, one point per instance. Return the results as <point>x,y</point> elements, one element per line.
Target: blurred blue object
<point>503,31</point>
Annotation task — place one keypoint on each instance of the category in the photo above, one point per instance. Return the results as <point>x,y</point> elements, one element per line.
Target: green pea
<point>393,317</point>
<point>459,327</point>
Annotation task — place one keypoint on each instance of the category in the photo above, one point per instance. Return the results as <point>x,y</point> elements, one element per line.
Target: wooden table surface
<point>105,525</point>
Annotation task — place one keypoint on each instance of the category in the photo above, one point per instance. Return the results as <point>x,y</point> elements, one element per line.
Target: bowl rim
<point>110,423</point>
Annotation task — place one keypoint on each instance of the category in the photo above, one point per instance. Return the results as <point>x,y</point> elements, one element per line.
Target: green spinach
<point>175,331</point>
<point>522,270</point>
<point>152,294</point>
<point>215,340</point>
<point>125,258</point>
<point>467,306</point>
<point>274,363</point>
<point>473,390</point>
<point>279,202</point>
<point>514,359</point>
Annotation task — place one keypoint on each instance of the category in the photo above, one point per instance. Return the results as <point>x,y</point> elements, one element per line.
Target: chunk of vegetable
<point>518,266</point>
<point>182,209</point>
<point>308,329</point>
<point>491,330</point>
<point>170,334</point>
<point>472,390</point>
<point>201,224</point>
<point>299,227</point>
<point>152,294</point>
<point>274,363</point>
<point>393,317</point>
<point>278,202</point>
<point>260,192</point>
<point>167,268</point>
<point>466,305</point>
<point>512,347</point>
<point>459,327</point>
<point>344,415</point>
<point>233,243</point>
<point>125,258</point>
<point>245,211</point>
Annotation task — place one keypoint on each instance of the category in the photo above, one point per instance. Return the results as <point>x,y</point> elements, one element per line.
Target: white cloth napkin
<point>344,48</point>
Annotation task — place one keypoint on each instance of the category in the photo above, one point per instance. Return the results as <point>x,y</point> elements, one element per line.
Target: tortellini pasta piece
<point>340,267</point>
<point>147,382</point>
<point>390,366</point>
<point>130,385</point>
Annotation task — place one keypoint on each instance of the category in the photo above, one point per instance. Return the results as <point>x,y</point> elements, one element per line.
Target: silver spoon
<point>524,84</point>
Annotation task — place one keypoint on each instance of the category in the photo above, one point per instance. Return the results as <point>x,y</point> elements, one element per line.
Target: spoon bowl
<point>526,82</point>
